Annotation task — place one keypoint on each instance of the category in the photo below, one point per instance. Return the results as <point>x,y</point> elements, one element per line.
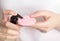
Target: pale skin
<point>13,29</point>
<point>51,20</point>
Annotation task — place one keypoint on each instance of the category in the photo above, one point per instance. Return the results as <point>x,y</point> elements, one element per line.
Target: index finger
<point>12,26</point>
<point>41,13</point>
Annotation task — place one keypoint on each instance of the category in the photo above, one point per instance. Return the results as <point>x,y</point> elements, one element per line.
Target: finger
<point>44,29</point>
<point>39,24</point>
<point>41,13</point>
<point>8,36</point>
<point>12,32</point>
<point>11,37</point>
<point>12,26</point>
<point>9,12</point>
<point>9,31</point>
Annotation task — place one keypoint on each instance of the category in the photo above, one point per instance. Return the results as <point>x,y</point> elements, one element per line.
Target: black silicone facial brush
<point>14,19</point>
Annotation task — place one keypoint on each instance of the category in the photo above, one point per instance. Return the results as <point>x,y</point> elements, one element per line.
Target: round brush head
<point>26,21</point>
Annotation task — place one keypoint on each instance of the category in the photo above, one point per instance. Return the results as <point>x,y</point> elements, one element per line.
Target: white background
<point>26,7</point>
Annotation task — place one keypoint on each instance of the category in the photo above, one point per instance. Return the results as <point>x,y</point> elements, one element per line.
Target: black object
<point>14,19</point>
<point>19,16</point>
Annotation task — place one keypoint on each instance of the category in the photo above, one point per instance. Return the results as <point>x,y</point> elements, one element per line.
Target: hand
<point>6,14</point>
<point>51,20</point>
<point>12,30</point>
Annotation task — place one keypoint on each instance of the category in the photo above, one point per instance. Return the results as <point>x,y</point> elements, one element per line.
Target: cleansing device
<point>24,21</point>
